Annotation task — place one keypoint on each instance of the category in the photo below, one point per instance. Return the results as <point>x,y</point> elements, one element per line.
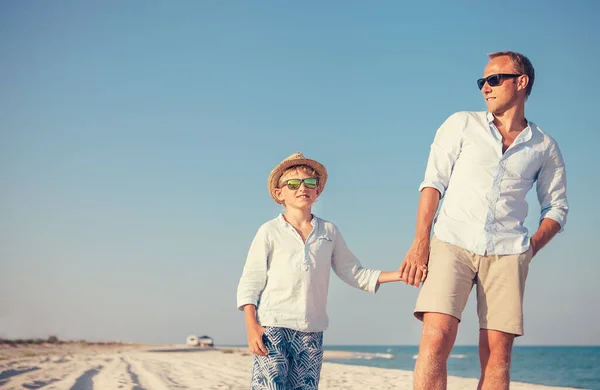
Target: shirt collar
<point>281,220</point>
<point>525,135</point>
<point>284,223</point>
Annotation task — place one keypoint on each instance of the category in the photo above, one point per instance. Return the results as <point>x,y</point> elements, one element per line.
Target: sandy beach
<point>143,367</point>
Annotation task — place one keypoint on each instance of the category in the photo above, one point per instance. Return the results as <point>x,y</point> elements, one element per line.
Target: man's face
<point>509,92</point>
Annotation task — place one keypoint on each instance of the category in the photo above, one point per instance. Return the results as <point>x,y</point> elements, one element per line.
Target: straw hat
<point>296,159</point>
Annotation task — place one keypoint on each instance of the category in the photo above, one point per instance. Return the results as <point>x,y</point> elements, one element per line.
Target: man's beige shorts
<point>500,286</point>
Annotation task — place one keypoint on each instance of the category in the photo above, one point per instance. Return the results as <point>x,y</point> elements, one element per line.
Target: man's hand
<point>534,249</point>
<point>548,229</point>
<point>255,342</point>
<point>414,268</point>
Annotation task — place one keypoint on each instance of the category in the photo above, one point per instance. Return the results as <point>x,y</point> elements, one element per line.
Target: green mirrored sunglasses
<point>294,184</point>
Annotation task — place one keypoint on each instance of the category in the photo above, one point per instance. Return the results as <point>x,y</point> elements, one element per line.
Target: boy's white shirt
<point>288,280</point>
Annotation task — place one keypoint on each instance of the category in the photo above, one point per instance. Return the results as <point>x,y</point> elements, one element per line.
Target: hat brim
<point>276,174</point>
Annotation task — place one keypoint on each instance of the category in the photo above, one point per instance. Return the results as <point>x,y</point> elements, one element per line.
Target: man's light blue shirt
<point>288,280</point>
<point>484,206</point>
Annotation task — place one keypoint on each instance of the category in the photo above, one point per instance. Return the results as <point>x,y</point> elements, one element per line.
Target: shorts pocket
<point>530,253</point>
<point>524,258</point>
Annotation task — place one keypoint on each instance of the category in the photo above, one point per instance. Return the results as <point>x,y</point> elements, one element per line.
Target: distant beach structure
<point>192,341</point>
<point>203,341</point>
<point>206,341</point>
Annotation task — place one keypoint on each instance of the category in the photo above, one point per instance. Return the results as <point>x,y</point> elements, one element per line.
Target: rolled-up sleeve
<point>254,275</point>
<point>444,152</point>
<point>348,268</point>
<point>552,187</point>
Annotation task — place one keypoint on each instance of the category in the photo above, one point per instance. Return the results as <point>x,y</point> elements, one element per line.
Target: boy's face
<point>301,198</point>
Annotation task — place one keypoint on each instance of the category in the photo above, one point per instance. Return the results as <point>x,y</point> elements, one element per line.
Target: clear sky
<point>136,139</point>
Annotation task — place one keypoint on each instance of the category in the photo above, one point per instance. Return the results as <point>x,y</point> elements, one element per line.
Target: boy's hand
<point>395,276</point>
<point>255,342</point>
<point>414,268</point>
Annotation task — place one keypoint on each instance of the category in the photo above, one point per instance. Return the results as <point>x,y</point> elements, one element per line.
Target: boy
<point>284,284</point>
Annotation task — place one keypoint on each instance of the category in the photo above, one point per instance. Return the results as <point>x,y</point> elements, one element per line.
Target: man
<point>483,164</point>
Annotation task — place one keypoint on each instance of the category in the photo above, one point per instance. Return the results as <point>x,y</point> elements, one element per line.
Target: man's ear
<point>523,82</point>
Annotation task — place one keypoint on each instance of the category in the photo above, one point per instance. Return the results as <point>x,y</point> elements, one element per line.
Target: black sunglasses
<point>294,184</point>
<point>495,79</point>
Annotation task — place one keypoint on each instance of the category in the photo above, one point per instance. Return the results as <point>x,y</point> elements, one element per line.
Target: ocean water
<point>577,367</point>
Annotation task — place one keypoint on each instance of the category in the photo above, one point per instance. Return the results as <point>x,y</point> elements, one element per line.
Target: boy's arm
<point>254,275</point>
<point>255,331</point>
<point>348,268</point>
<point>251,285</point>
<point>395,276</point>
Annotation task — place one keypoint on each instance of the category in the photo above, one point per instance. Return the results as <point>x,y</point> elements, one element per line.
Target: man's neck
<point>298,217</point>
<point>511,120</point>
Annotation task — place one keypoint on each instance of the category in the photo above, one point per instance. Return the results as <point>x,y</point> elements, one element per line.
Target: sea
<point>576,367</point>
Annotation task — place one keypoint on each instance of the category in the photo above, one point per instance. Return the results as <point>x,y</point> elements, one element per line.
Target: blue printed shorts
<point>293,360</point>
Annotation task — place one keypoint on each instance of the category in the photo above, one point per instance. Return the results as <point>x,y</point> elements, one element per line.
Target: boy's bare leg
<point>437,340</point>
<point>495,353</point>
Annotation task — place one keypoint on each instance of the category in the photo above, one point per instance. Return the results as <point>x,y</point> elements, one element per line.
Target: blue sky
<point>136,139</point>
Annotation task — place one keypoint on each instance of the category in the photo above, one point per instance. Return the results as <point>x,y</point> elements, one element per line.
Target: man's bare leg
<point>495,353</point>
<point>437,340</point>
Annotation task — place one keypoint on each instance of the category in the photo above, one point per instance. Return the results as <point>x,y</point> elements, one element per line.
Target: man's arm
<point>547,230</point>
<point>444,152</point>
<point>414,265</point>
<point>551,189</point>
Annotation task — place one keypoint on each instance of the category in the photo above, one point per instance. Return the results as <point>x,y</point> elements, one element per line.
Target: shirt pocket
<point>323,248</point>
<point>324,239</point>
<point>524,164</point>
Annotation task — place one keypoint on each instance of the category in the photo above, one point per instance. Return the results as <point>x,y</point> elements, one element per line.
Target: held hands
<point>413,270</point>
<point>255,342</point>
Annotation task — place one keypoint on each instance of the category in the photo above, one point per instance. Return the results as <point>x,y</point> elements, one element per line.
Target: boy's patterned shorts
<point>293,360</point>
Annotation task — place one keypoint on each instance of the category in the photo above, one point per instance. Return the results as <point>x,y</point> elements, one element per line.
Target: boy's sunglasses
<point>495,79</point>
<point>294,184</point>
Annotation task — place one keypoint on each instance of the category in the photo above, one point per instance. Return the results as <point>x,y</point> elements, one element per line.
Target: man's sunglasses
<point>294,184</point>
<point>495,79</point>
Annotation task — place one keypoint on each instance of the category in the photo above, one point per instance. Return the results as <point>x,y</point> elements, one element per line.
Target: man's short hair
<point>521,63</point>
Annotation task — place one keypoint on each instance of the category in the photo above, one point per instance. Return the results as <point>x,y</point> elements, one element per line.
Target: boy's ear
<point>277,193</point>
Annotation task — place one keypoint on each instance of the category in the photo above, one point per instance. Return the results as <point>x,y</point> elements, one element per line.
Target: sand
<point>143,367</point>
